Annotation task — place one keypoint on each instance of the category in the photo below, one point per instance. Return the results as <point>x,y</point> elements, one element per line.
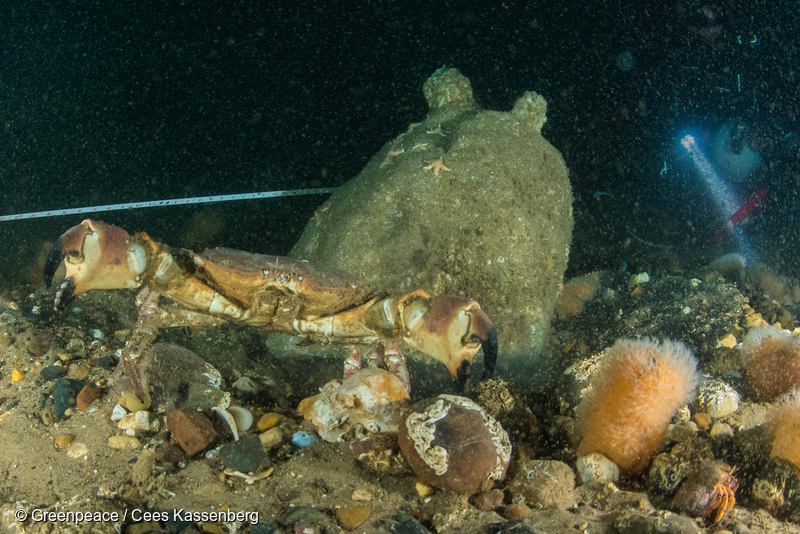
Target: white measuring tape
<point>170,202</point>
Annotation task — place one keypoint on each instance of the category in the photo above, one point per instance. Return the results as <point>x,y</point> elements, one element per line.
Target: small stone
<point>353,516</point>
<point>245,388</point>
<point>104,362</point>
<point>65,392</point>
<point>303,438</point>
<point>143,528</point>
<point>63,440</point>
<point>702,420</point>
<point>244,455</point>
<point>86,397</point>
<point>721,430</point>
<point>118,413</point>
<point>423,490</point>
<point>728,341</point>
<point>52,372</point>
<point>268,421</point>
<point>213,528</point>
<point>191,429</point>
<point>140,420</point>
<point>681,432</point>
<point>489,500</point>
<point>168,452</point>
<point>78,372</point>
<point>123,442</point>
<point>77,450</point>
<point>596,466</point>
<point>271,438</point>
<point>514,512</point>
<point>17,375</point>
<point>361,495</point>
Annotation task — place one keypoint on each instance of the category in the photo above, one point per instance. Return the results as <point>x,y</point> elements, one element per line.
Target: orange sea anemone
<point>638,386</point>
<point>575,293</point>
<point>772,359</point>
<point>783,427</point>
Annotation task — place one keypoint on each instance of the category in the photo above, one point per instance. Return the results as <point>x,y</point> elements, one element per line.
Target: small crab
<point>710,488</point>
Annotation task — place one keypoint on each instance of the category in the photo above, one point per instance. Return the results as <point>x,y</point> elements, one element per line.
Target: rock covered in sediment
<point>451,443</point>
<point>403,227</point>
<point>543,483</point>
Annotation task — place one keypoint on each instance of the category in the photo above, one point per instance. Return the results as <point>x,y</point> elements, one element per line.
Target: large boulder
<point>468,202</point>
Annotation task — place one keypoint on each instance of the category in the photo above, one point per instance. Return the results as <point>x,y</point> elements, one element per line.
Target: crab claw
<point>98,256</point>
<point>451,330</point>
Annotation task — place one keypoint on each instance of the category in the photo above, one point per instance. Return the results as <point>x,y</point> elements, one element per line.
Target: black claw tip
<point>64,295</point>
<point>54,258</point>
<point>463,377</point>
<point>489,354</point>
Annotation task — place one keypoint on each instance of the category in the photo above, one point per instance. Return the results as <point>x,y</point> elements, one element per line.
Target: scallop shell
<point>243,418</point>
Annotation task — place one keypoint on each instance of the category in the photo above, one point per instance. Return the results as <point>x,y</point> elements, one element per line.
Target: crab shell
<point>372,398</point>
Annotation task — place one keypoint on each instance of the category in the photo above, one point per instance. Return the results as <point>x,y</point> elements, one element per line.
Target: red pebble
<point>86,397</point>
<point>191,429</point>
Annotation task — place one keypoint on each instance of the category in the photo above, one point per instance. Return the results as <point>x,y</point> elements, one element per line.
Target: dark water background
<point>110,102</point>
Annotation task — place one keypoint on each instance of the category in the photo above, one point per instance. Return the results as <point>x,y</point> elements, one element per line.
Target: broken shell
<point>243,418</point>
<point>228,418</point>
<point>452,443</point>
<point>372,398</point>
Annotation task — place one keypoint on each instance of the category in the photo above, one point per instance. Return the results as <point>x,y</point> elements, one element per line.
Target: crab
<point>274,293</point>
<point>710,489</point>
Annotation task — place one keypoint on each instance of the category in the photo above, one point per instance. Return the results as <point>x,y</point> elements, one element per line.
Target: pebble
<point>729,341</point>
<point>78,372</point>
<point>514,512</point>
<point>17,375</point>
<point>303,438</point>
<point>65,392</point>
<point>361,495</point>
<point>86,397</point>
<point>720,430</point>
<point>53,372</point>
<point>244,455</point>
<point>702,420</point>
<point>118,413</point>
<point>141,420</point>
<point>123,442</point>
<point>104,362</point>
<point>77,450</point>
<point>353,516</point>
<point>268,421</point>
<point>245,388</point>
<point>423,490</point>
<point>681,431</point>
<point>63,440</point>
<point>271,438</point>
<point>191,429</point>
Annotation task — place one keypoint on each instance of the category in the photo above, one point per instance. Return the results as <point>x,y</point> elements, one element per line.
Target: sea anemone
<point>625,412</point>
<point>783,427</point>
<point>772,359</point>
<point>575,293</point>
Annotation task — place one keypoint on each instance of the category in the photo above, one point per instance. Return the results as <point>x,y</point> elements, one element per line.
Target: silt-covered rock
<point>468,202</point>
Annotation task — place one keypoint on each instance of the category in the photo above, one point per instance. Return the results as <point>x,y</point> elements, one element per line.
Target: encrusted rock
<point>716,398</point>
<point>542,483</point>
<point>777,488</point>
<point>451,443</point>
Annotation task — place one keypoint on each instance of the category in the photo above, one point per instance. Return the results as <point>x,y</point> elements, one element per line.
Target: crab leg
<point>142,337</point>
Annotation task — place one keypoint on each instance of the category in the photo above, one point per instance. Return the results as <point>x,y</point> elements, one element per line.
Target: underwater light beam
<point>726,200</point>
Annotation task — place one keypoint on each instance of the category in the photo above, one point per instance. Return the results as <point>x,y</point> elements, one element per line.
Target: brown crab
<point>270,292</point>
